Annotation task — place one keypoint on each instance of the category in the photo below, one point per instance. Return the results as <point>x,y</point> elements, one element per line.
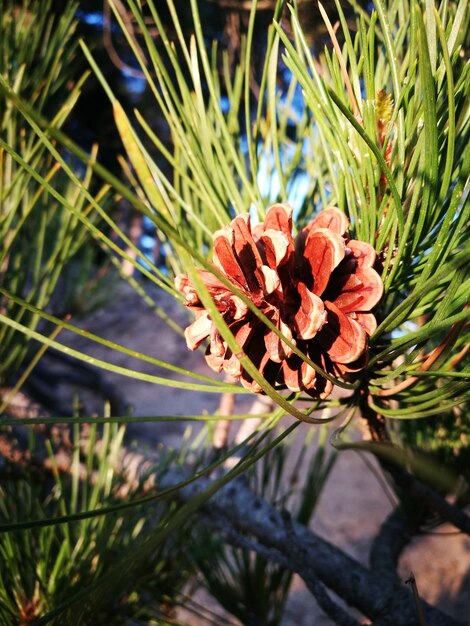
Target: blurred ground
<point>352,506</point>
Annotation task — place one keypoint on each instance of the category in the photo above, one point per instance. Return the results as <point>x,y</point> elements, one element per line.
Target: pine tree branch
<point>435,501</point>
<point>375,592</point>
<point>317,589</point>
<point>393,536</point>
<point>308,554</point>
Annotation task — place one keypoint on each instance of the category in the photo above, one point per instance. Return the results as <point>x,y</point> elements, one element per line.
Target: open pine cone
<point>318,290</point>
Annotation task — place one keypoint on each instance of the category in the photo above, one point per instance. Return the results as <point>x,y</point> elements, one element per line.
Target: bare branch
<point>435,501</point>
<point>330,608</point>
<point>392,537</point>
<point>307,553</point>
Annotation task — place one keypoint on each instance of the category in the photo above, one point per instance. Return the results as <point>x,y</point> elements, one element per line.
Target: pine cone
<point>318,290</point>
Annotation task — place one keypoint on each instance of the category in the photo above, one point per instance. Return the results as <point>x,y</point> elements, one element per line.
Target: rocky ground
<point>354,502</point>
